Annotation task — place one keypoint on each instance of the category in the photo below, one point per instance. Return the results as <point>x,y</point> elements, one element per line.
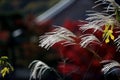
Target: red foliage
<point>80,60</point>
<point>4,36</point>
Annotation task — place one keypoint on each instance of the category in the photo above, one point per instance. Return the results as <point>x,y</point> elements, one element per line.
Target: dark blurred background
<point>19,31</point>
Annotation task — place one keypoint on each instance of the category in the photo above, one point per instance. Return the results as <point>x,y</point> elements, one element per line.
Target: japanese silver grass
<point>87,39</point>
<point>97,21</point>
<point>111,3</point>
<point>88,26</point>
<point>98,3</point>
<point>112,7</point>
<point>38,69</point>
<point>117,43</point>
<point>109,64</point>
<point>57,35</point>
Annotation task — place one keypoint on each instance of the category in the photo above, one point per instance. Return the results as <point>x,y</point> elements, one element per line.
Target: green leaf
<point>117,15</point>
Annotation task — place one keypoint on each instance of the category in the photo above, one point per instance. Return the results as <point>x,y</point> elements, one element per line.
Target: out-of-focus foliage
<point>6,66</point>
<point>26,6</point>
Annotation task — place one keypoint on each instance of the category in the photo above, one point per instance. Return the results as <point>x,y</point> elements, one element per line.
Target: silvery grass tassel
<point>39,68</point>
<point>108,65</point>
<point>57,35</point>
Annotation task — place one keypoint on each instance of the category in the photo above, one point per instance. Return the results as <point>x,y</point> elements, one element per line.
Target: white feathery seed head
<point>117,43</point>
<point>97,20</point>
<point>57,35</point>
<point>110,64</point>
<point>87,39</point>
<point>38,69</point>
